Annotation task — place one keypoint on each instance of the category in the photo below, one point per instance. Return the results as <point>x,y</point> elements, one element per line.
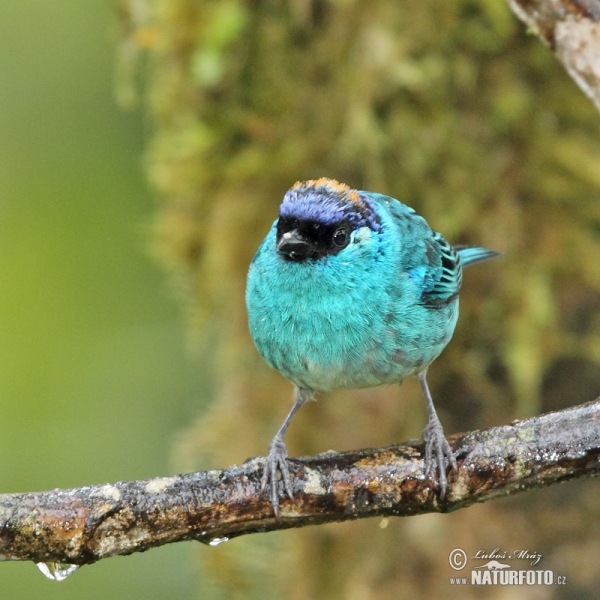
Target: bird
<point>353,289</point>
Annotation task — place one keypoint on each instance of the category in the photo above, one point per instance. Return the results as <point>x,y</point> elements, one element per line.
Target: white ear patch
<point>362,234</point>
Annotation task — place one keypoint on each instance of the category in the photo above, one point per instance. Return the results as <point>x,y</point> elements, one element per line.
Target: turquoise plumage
<point>353,289</point>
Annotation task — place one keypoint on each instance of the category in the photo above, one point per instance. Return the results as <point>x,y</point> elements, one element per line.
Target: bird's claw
<point>276,461</point>
<point>438,455</point>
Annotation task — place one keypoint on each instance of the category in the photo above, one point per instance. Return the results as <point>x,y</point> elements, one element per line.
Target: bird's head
<point>317,218</point>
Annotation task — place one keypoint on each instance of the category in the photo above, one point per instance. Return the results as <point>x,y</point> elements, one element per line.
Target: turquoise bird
<point>353,289</point>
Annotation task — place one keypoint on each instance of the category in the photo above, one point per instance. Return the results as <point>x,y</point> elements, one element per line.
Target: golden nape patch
<point>333,186</point>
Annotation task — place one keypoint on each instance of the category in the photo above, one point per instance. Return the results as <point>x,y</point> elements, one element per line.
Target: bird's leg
<point>437,448</point>
<point>276,458</point>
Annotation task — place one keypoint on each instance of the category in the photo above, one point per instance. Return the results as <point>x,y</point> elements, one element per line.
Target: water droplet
<point>56,570</point>
<point>217,541</point>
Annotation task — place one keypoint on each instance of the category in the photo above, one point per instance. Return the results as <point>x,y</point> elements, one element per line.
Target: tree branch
<point>83,525</point>
<point>571,28</point>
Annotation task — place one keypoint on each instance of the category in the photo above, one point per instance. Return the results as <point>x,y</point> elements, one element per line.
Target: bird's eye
<point>340,237</point>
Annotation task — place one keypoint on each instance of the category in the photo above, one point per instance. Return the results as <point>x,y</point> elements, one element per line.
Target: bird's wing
<point>425,255</point>
<point>444,273</point>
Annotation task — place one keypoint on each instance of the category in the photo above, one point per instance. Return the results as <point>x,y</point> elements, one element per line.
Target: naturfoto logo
<point>499,570</point>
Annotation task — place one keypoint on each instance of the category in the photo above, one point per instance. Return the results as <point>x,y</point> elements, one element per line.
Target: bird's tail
<point>472,254</point>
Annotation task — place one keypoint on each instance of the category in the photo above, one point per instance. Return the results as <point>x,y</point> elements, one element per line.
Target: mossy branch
<point>571,28</point>
<point>83,525</point>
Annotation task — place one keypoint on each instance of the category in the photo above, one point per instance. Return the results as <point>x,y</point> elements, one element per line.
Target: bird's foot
<point>438,454</point>
<point>276,461</point>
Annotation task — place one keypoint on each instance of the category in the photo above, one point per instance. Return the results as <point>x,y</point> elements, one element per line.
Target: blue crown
<point>329,202</point>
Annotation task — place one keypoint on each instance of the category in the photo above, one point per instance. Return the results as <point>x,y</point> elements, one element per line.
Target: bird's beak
<point>293,246</point>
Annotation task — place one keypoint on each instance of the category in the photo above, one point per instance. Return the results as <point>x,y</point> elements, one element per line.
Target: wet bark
<point>571,29</point>
<point>83,525</point>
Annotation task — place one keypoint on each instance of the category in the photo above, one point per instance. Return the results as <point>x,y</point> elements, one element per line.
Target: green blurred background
<point>95,380</point>
<point>449,106</point>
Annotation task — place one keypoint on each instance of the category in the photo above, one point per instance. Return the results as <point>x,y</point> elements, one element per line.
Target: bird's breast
<point>326,332</point>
